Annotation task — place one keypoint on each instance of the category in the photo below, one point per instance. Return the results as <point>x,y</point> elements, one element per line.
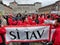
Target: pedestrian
<point>10,20</point>
<point>19,22</point>
<point>56,35</point>
<point>2,34</point>
<point>30,19</point>
<point>19,16</point>
<point>48,21</point>
<point>36,19</point>
<point>41,19</point>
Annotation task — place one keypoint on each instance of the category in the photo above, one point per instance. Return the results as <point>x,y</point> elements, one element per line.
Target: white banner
<point>27,33</point>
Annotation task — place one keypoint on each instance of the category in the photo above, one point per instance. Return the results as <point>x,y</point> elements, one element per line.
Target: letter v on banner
<point>40,35</point>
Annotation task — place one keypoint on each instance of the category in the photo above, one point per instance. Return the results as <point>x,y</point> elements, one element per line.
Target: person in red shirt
<point>56,35</point>
<point>19,22</point>
<point>27,21</point>
<point>2,33</point>
<point>30,19</point>
<point>33,22</point>
<point>41,19</point>
<point>14,22</point>
<point>10,20</point>
<point>33,16</point>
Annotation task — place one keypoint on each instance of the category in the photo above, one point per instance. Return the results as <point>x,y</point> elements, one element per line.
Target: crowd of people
<point>33,20</point>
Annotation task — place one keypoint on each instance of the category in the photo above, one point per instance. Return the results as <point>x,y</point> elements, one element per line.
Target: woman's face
<point>26,19</point>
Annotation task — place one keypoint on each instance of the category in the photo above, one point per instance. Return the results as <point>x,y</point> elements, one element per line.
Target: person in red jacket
<point>26,22</point>
<point>19,22</point>
<point>14,22</point>
<point>56,35</point>
<point>30,19</point>
<point>10,20</point>
<point>2,33</point>
<point>33,22</point>
<point>33,16</point>
<point>41,20</point>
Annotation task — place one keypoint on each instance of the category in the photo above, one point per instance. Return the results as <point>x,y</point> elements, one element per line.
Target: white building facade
<point>25,8</point>
<point>4,9</point>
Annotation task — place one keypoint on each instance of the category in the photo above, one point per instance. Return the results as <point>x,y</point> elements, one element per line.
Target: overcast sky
<point>44,2</point>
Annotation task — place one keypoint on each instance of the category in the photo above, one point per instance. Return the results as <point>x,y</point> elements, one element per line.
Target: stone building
<point>50,8</point>
<point>7,10</point>
<point>4,9</point>
<point>25,8</point>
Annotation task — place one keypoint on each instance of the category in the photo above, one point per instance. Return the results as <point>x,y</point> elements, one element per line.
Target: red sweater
<point>2,32</point>
<point>56,36</point>
<point>10,21</point>
<point>19,22</point>
<point>14,22</point>
<point>41,20</point>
